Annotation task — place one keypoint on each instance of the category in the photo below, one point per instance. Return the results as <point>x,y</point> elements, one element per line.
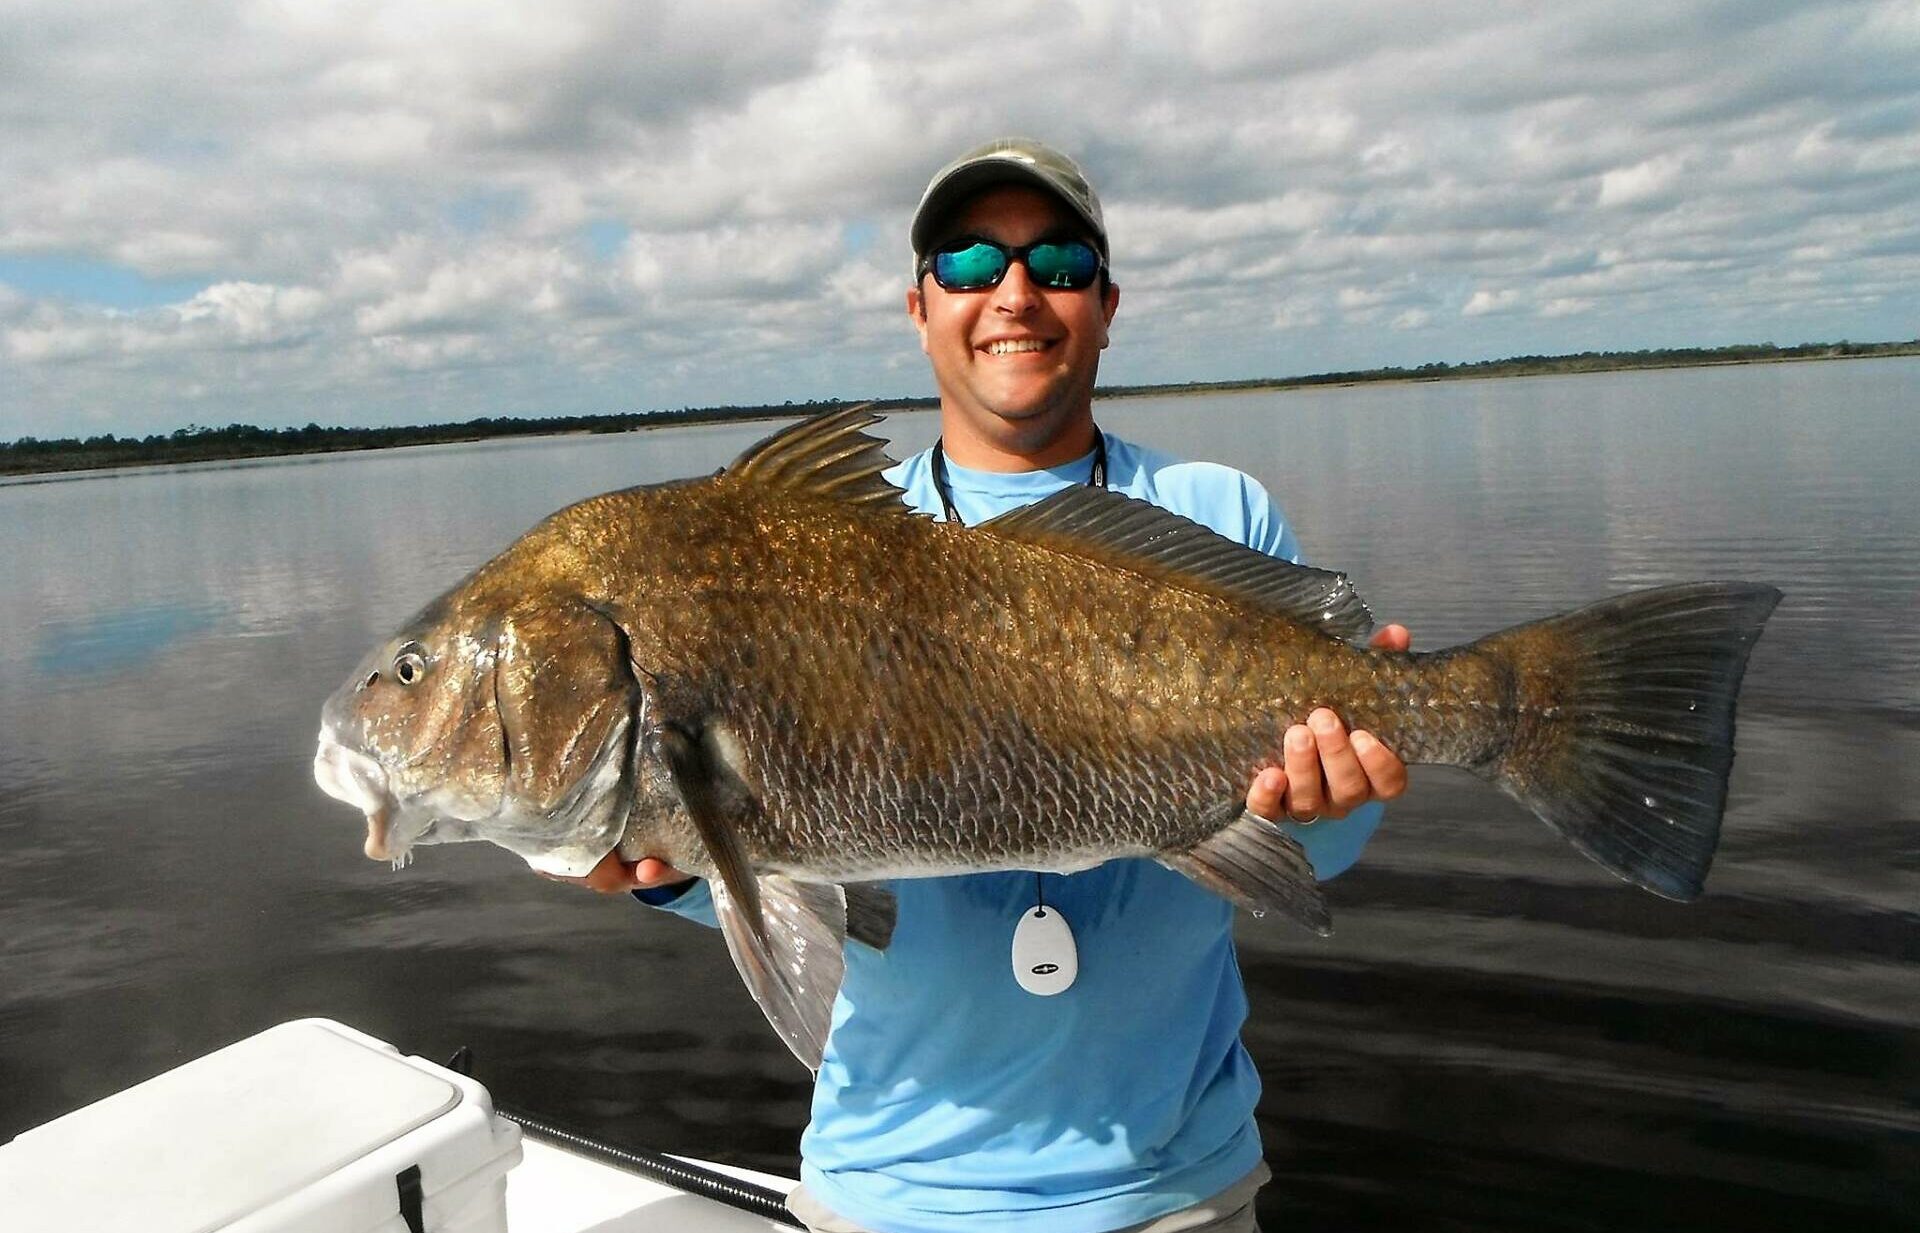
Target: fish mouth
<point>350,776</point>
<point>567,838</point>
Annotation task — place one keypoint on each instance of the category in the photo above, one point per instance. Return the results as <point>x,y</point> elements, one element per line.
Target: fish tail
<point>1623,732</point>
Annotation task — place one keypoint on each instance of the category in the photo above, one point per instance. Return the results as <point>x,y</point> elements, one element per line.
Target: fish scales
<point>977,703</point>
<point>778,679</point>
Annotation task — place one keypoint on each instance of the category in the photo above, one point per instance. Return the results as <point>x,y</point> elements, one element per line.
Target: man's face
<point>1015,364</point>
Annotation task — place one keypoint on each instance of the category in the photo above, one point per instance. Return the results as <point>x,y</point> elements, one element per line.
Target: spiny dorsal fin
<point>828,456</point>
<point>1130,534</point>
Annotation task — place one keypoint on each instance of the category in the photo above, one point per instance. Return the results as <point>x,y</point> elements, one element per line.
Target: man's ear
<point>1109,304</point>
<point>917,313</point>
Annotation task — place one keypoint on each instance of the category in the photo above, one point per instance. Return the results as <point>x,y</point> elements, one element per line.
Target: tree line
<point>1539,365</point>
<point>196,443</point>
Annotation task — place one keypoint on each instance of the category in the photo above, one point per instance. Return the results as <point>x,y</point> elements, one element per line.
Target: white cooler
<point>309,1127</point>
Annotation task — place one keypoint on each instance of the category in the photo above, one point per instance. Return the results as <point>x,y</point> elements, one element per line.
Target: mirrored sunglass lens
<point>1071,264</point>
<point>976,265</point>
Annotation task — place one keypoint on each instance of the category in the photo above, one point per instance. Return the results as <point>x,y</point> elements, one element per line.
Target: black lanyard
<point>1096,479</point>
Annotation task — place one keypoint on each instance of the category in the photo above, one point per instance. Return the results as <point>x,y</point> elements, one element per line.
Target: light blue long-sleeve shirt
<point>949,1098</point>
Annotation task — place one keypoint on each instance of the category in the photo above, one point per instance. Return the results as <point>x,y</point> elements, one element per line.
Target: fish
<point>783,680</point>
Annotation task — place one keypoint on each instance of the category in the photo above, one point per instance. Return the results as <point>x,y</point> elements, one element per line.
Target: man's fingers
<point>1266,796</point>
<point>1391,638</point>
<point>651,871</point>
<point>612,875</point>
<point>1385,771</point>
<point>1331,772</point>
<point>1345,779</point>
<point>1305,797</point>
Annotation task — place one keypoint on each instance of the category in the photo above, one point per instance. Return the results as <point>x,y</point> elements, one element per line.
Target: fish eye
<point>409,666</point>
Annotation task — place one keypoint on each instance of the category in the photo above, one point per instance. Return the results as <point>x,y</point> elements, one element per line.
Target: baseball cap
<point>1006,160</point>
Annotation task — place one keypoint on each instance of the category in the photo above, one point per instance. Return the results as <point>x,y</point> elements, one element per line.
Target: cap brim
<point>963,182</point>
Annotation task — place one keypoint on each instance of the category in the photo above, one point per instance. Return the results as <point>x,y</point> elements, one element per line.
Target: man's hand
<point>1330,772</point>
<point>613,876</point>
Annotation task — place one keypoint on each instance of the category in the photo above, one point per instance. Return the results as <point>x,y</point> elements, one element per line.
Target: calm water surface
<point>1500,1036</point>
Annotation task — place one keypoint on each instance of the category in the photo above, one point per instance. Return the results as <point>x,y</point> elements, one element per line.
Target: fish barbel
<point>783,680</point>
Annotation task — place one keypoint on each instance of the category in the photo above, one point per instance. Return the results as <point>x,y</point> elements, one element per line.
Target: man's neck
<point>966,448</point>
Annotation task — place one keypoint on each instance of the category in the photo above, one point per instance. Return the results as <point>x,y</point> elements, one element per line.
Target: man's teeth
<point>1009,346</point>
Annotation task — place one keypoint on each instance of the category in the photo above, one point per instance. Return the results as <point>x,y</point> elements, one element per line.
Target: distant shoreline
<point>1490,370</point>
<point>30,456</point>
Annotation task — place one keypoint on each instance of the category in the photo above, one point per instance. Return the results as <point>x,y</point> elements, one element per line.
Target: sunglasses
<point>973,264</point>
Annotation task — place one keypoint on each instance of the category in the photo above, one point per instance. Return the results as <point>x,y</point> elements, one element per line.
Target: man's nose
<point>1016,294</point>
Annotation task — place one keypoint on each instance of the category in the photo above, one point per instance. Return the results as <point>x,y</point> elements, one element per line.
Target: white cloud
<point>222,317</point>
<point>473,291</point>
<point>760,259</point>
<point>1296,316</point>
<point>390,206</point>
<point>1483,302</point>
<point>1655,179</point>
<point>1566,306</point>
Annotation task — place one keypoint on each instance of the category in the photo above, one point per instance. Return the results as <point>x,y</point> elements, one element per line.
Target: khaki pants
<point>1230,1211</point>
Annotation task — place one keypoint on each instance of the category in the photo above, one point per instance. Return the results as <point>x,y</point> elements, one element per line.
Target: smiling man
<point>960,1091</point>
<point>1014,360</point>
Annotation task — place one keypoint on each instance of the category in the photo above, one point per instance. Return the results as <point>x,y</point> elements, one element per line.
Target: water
<point>1500,1036</point>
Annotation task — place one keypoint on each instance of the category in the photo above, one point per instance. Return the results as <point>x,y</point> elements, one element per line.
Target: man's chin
<point>1020,417</point>
<point>1037,422</point>
<point>1032,406</point>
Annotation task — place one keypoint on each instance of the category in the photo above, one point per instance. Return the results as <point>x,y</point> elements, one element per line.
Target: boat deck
<point>554,1190</point>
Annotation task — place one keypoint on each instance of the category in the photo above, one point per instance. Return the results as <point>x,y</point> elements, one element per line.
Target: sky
<point>387,213</point>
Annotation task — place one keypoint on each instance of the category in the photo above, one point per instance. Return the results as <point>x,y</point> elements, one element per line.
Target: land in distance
<point>195,443</point>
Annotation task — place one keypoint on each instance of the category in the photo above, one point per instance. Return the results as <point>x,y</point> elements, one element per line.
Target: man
<point>951,1095</point>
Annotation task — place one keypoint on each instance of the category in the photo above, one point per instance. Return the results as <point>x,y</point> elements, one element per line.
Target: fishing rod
<point>684,1174</point>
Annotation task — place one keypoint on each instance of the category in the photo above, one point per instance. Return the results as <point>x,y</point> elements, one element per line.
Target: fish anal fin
<point>1125,533</point>
<point>1253,863</point>
<point>871,910</point>
<point>829,456</point>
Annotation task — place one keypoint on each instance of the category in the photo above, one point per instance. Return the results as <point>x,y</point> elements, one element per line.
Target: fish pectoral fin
<point>712,799</point>
<point>785,936</point>
<point>1254,863</point>
<point>794,965</point>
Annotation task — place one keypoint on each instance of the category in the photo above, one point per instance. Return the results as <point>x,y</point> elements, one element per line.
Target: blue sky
<point>63,278</point>
<point>383,213</point>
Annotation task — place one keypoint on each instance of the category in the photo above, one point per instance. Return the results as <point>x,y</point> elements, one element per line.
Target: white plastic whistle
<point>1045,960</point>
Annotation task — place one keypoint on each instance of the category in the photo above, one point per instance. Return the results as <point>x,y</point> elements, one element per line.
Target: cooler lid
<point>222,1136</point>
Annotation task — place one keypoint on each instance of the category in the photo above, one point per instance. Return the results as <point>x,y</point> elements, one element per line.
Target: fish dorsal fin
<point>829,456</point>
<point>1130,534</point>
